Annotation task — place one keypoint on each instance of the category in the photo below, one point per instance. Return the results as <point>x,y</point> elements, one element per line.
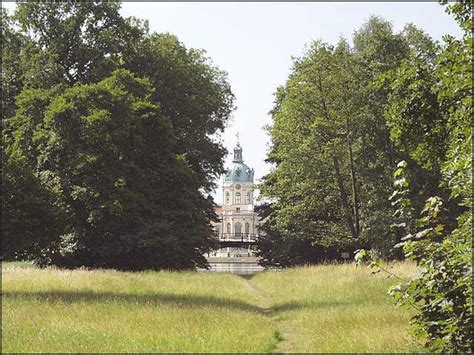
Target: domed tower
<point>238,219</point>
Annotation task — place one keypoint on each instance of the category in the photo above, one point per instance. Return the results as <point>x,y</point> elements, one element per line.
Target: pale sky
<point>254,44</point>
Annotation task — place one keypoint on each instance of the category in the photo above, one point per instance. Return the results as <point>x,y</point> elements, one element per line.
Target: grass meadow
<point>328,308</point>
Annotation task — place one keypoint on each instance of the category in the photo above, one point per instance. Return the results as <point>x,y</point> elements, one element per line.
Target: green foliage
<point>195,95</point>
<point>442,292</point>
<point>70,42</point>
<point>331,147</point>
<point>343,119</point>
<point>430,117</point>
<point>12,73</point>
<point>110,152</point>
<point>310,203</point>
<point>417,125</point>
<point>117,124</point>
<point>276,249</point>
<point>30,219</point>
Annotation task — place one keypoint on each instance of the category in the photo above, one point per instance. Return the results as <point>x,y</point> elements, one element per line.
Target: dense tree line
<point>109,150</point>
<point>430,115</point>
<point>331,146</point>
<point>337,135</point>
<point>372,150</point>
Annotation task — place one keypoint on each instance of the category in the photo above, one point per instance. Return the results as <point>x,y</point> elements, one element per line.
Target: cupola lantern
<point>238,152</point>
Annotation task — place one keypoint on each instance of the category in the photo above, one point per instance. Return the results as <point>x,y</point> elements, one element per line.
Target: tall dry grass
<point>330,308</point>
<point>108,311</point>
<point>337,308</point>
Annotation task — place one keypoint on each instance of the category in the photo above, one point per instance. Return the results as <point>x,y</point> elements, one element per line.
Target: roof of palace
<point>239,171</point>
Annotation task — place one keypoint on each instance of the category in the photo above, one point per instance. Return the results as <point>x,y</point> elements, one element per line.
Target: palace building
<point>237,218</point>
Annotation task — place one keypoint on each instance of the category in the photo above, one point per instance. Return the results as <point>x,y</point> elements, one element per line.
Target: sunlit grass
<point>337,308</point>
<point>334,308</point>
<point>91,311</point>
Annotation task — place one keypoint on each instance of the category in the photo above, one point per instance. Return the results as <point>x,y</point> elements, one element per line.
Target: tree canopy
<point>331,148</point>
<point>116,126</point>
<point>350,125</point>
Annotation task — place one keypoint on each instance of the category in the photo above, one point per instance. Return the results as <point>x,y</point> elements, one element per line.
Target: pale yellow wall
<point>229,213</point>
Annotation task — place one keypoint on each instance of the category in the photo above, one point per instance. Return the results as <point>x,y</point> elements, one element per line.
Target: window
<point>227,198</point>
<point>247,229</point>
<point>229,228</point>
<point>238,229</point>
<point>237,197</point>
<point>237,209</point>
<point>247,198</point>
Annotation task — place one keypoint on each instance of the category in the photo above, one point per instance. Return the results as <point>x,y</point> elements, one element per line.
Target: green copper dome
<point>238,171</point>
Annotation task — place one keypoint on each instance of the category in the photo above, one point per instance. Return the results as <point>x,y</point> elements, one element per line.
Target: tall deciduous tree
<point>194,94</point>
<point>84,42</point>
<point>315,176</point>
<point>331,147</point>
<point>72,42</point>
<point>57,47</point>
<point>109,150</point>
<point>30,218</point>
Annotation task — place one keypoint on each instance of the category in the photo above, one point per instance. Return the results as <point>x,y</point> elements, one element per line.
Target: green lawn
<point>331,308</point>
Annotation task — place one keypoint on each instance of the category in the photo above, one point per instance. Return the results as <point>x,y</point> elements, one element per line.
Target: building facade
<point>237,218</point>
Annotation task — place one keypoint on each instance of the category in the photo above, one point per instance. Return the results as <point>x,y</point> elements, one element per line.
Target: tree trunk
<point>342,191</point>
<point>355,194</point>
<point>343,194</point>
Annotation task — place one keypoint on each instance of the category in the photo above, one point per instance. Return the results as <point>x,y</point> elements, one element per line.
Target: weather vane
<point>237,135</point>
